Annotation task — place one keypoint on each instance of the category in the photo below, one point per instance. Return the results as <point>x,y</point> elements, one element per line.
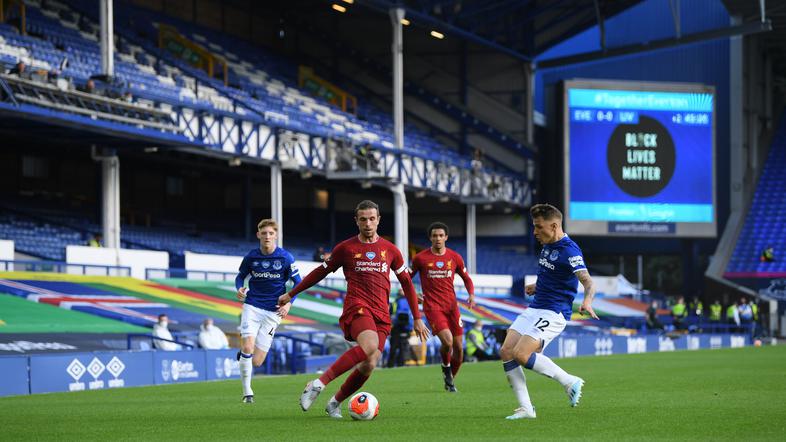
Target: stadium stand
<point>45,232</point>
<point>268,85</point>
<point>188,302</point>
<point>64,36</point>
<point>22,316</point>
<point>765,220</point>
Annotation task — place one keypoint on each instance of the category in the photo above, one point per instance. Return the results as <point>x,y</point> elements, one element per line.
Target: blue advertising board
<point>569,347</point>
<point>171,367</point>
<point>222,364</point>
<point>14,376</point>
<point>89,371</point>
<point>103,370</point>
<point>639,158</point>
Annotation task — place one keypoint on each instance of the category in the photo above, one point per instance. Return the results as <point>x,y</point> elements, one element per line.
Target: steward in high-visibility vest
<point>716,309</point>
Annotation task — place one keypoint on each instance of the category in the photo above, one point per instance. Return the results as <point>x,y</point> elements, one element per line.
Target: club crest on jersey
<point>440,264</point>
<point>265,264</point>
<point>382,254</point>
<point>370,255</point>
<point>276,265</point>
<point>554,255</point>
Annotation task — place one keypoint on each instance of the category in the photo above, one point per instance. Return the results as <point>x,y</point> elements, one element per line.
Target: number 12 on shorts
<point>541,324</point>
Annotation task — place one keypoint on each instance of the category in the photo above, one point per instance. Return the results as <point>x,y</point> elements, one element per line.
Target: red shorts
<point>442,319</point>
<point>359,319</point>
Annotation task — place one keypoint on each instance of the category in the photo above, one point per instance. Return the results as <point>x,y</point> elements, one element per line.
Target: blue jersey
<point>557,282</point>
<point>269,276</point>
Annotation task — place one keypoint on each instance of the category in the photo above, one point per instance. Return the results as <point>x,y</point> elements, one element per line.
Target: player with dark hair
<point>268,268</point>
<point>367,260</point>
<point>437,266</point>
<point>561,269</point>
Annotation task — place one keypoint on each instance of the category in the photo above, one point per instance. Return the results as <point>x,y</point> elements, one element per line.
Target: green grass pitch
<point>733,394</point>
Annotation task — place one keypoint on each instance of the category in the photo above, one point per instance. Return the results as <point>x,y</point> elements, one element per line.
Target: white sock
<point>246,371</point>
<point>545,366</point>
<point>518,383</point>
<point>318,384</point>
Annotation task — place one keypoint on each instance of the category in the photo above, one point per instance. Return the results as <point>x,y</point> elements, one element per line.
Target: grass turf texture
<point>709,395</point>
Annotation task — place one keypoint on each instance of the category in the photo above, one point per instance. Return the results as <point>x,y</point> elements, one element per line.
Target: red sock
<point>349,359</point>
<point>445,356</point>
<point>351,385</point>
<point>455,363</point>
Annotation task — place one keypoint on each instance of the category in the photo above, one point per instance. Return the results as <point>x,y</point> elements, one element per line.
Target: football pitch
<point>732,394</point>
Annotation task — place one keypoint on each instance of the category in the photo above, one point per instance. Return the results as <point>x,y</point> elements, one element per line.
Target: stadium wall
<point>138,260</point>
<point>706,63</point>
<point>7,252</point>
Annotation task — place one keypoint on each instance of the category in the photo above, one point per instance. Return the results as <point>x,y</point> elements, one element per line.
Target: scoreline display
<point>639,158</point>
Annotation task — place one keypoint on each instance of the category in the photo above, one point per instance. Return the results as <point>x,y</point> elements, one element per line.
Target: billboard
<point>639,159</point>
<point>90,371</point>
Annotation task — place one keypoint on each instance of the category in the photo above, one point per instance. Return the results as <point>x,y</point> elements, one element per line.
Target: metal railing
<point>77,102</point>
<point>63,267</point>
<point>130,337</point>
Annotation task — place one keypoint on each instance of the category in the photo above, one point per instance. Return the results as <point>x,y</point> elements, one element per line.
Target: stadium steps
<point>766,218</point>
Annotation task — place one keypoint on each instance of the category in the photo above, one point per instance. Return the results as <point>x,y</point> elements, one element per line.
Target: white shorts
<point>261,323</point>
<point>542,325</point>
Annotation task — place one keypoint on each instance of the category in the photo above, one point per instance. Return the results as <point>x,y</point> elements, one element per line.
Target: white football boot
<point>522,413</point>
<point>310,393</point>
<point>333,409</point>
<point>574,391</point>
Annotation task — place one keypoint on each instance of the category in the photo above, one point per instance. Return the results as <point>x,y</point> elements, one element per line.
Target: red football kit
<point>367,269</point>
<point>439,297</point>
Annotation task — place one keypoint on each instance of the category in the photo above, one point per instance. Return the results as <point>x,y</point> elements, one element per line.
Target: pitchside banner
<point>222,364</point>
<point>102,370</point>
<point>567,347</point>
<point>171,367</point>
<point>89,371</point>
<point>13,375</point>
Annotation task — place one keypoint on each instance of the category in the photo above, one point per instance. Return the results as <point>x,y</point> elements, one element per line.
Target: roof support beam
<point>699,37</point>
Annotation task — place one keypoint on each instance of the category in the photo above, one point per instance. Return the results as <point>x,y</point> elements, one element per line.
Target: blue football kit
<point>269,276</point>
<point>557,283</point>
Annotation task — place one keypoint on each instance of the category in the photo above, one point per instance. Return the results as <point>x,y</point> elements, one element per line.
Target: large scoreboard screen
<point>639,159</point>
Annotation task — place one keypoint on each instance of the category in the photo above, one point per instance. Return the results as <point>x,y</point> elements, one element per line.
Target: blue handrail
<point>154,338</point>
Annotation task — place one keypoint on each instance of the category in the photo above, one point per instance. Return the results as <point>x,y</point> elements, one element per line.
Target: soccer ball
<point>363,406</point>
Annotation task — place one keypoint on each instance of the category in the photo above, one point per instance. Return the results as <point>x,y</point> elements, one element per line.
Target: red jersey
<point>367,269</point>
<point>436,278</point>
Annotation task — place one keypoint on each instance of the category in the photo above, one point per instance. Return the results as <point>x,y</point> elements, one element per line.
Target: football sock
<point>246,371</point>
<point>344,363</point>
<point>353,383</point>
<point>455,363</point>
<point>445,353</point>
<point>545,366</point>
<point>518,383</point>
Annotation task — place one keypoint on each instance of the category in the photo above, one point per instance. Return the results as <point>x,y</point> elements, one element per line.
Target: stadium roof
<point>774,41</point>
<point>520,28</point>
